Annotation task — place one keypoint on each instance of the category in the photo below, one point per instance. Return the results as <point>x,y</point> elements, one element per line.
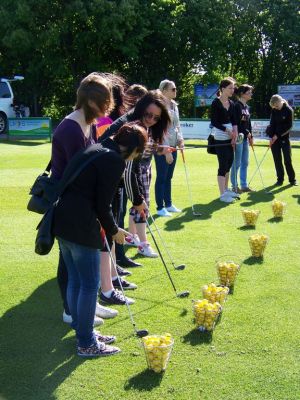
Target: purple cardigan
<point>68,139</point>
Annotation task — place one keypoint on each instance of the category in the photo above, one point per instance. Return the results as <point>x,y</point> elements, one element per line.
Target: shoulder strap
<point>48,168</point>
<point>67,181</point>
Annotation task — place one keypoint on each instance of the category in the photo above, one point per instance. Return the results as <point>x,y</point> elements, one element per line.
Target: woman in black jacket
<point>279,131</point>
<point>84,208</point>
<point>242,114</point>
<point>151,110</point>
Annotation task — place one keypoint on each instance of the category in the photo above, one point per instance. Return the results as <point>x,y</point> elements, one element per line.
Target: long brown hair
<point>95,88</point>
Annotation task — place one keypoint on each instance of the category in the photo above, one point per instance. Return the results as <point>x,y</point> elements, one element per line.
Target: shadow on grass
<point>144,381</point>
<point>253,260</point>
<point>246,228</point>
<point>195,337</point>
<point>187,215</point>
<point>297,196</point>
<point>260,196</point>
<point>35,356</point>
<point>28,143</point>
<point>275,220</point>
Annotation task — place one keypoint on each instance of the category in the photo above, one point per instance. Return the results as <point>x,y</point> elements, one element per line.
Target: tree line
<point>54,44</point>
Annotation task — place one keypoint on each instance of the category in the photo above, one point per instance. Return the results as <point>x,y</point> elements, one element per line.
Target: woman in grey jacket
<point>165,163</point>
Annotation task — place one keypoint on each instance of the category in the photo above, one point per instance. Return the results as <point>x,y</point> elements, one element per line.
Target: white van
<point>7,109</point>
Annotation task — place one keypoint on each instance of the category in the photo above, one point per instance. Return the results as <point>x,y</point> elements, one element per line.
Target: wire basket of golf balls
<point>158,349</point>
<point>215,293</point>
<point>250,217</point>
<point>206,314</point>
<point>278,208</point>
<point>258,243</point>
<point>227,269</point>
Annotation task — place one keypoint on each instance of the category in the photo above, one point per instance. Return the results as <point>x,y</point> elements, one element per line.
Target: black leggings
<point>283,145</point>
<point>225,156</point>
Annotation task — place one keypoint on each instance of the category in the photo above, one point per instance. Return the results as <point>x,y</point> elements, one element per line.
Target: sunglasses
<point>174,89</point>
<point>149,115</point>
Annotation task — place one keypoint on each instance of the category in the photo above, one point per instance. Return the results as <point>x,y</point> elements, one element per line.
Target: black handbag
<point>211,144</point>
<point>45,238</point>
<point>43,192</point>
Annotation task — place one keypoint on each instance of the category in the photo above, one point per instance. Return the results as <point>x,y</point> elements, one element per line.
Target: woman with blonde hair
<point>165,163</point>
<point>281,123</point>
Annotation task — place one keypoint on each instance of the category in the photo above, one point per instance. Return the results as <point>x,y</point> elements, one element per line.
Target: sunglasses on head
<point>149,115</point>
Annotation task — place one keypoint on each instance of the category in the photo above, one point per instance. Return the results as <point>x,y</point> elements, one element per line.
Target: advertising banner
<point>30,127</point>
<point>291,93</point>
<point>204,94</point>
<point>199,129</point>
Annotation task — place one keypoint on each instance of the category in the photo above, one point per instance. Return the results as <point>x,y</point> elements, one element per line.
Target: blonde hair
<point>164,84</point>
<point>276,98</point>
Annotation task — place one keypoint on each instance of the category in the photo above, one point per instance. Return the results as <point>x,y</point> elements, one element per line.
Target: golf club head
<point>196,214</point>
<point>180,267</point>
<point>142,332</point>
<point>183,294</point>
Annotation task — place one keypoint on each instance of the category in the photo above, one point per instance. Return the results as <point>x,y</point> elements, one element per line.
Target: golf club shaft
<point>161,238</point>
<point>261,178</point>
<point>127,305</point>
<point>187,180</point>
<point>264,156</point>
<point>160,255</point>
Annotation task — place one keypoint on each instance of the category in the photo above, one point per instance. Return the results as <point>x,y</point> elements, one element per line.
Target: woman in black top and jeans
<point>223,122</point>
<point>82,210</point>
<point>279,131</point>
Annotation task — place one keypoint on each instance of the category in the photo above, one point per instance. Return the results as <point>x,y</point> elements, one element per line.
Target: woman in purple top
<point>74,133</point>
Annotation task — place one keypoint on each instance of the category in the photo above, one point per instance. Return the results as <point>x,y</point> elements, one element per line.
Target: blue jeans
<point>241,162</point>
<point>164,175</point>
<point>83,265</point>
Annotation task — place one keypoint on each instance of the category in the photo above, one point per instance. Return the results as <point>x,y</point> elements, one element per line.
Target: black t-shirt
<point>220,115</point>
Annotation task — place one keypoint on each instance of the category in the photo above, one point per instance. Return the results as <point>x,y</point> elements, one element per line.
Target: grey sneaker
<point>116,298</point>
<point>97,350</point>
<point>125,284</point>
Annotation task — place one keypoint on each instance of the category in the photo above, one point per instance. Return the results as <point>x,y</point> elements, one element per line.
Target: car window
<point>4,91</point>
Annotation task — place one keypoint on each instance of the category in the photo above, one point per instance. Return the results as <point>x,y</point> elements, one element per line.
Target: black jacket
<point>133,185</point>
<point>221,116</point>
<point>281,121</point>
<point>85,205</point>
<point>243,120</point>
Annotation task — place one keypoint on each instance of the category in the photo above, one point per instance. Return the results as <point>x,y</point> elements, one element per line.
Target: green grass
<point>254,350</point>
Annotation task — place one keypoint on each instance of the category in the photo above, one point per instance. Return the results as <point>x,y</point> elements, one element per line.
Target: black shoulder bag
<point>211,144</point>
<point>45,238</point>
<point>43,192</point>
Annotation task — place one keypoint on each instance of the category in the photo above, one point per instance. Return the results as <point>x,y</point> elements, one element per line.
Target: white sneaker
<point>232,194</point>
<point>133,240</point>
<point>105,312</point>
<point>163,213</point>
<point>173,209</point>
<point>226,198</point>
<point>147,251</point>
<point>68,319</point>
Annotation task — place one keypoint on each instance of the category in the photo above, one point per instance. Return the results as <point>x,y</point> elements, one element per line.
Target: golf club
<point>261,178</point>
<point>182,294</point>
<point>142,332</point>
<point>259,164</point>
<point>177,267</point>
<point>196,214</point>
